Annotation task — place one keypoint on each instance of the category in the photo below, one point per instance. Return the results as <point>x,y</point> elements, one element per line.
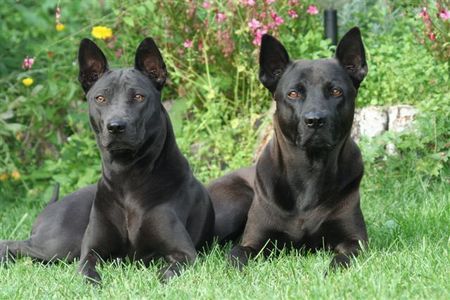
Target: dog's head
<point>124,104</point>
<point>315,98</point>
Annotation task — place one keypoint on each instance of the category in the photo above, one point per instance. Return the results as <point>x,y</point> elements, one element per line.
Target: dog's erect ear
<point>92,64</point>
<point>273,60</point>
<point>350,53</point>
<point>149,61</point>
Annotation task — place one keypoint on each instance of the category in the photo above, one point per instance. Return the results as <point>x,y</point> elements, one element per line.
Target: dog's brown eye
<point>293,95</point>
<point>335,92</point>
<point>100,99</point>
<point>138,97</point>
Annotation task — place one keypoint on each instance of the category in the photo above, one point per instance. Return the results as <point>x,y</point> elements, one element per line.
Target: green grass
<point>408,257</point>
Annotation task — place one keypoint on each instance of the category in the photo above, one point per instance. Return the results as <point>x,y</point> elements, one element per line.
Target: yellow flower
<point>19,136</point>
<point>15,175</point>
<point>101,32</point>
<point>60,27</point>
<point>27,81</point>
<point>3,177</point>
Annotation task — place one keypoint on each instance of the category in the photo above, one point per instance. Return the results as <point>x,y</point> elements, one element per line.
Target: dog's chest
<point>129,221</point>
<point>132,222</point>
<point>304,223</point>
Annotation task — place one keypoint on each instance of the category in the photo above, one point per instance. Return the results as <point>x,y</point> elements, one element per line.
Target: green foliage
<point>401,70</point>
<point>401,74</point>
<point>218,100</point>
<point>36,121</point>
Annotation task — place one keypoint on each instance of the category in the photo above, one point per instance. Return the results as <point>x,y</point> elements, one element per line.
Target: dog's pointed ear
<point>351,55</point>
<point>92,64</point>
<point>273,60</point>
<point>149,61</point>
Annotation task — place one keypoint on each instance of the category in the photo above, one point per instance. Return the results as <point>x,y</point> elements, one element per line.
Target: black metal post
<point>330,24</point>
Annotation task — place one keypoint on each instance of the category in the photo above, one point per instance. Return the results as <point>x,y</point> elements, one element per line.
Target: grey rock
<point>401,117</point>
<point>369,121</point>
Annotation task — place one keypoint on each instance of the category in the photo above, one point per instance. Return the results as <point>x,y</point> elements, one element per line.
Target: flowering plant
<point>436,29</point>
<point>223,38</point>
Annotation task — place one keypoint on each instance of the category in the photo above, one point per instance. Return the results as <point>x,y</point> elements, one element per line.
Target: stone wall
<point>372,121</point>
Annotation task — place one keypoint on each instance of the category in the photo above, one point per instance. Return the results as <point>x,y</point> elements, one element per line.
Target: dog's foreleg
<point>166,234</point>
<point>100,241</point>
<point>87,267</point>
<point>253,241</point>
<point>348,232</point>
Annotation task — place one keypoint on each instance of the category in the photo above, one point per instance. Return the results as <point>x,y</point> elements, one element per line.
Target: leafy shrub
<point>211,52</point>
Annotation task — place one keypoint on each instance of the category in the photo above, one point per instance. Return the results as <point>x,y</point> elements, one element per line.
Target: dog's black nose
<point>115,127</point>
<point>314,119</point>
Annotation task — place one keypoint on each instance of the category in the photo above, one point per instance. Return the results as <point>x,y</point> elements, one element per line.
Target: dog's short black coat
<point>304,190</point>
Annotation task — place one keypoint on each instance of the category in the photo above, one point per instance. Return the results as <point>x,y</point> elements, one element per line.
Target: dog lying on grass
<point>147,204</point>
<point>304,190</point>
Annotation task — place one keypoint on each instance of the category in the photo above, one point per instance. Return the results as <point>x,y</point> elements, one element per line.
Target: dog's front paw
<point>91,275</point>
<point>94,278</point>
<point>239,256</point>
<point>339,261</point>
<point>167,273</point>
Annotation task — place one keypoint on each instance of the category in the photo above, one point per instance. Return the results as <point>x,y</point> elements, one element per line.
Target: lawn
<point>408,257</point>
<point>218,106</point>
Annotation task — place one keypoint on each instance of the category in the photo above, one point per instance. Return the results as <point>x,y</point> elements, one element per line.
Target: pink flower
<point>292,13</point>
<point>248,2</point>
<point>188,44</point>
<point>432,36</point>
<point>270,1</point>
<point>276,19</point>
<point>424,14</point>
<point>254,24</point>
<point>220,17</point>
<point>444,14</point>
<point>27,63</point>
<point>312,10</point>
<point>206,5</point>
<point>258,36</point>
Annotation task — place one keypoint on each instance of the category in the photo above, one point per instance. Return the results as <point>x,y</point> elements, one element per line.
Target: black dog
<point>129,154</point>
<point>57,231</point>
<point>148,203</point>
<point>304,191</point>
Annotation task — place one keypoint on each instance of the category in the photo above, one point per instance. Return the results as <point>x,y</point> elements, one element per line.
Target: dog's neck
<point>156,153</point>
<point>297,177</point>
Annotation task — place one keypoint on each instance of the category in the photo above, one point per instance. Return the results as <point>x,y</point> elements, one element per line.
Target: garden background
<point>218,108</point>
